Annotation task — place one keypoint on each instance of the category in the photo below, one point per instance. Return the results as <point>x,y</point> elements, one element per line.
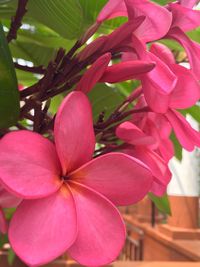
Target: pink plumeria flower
<point>185,94</point>
<point>186,19</point>
<point>140,147</point>
<point>186,91</point>
<point>69,198</point>
<point>160,80</point>
<point>153,27</point>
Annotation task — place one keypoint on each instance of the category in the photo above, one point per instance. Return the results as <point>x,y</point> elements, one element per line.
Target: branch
<point>37,70</point>
<point>17,20</point>
<point>117,117</point>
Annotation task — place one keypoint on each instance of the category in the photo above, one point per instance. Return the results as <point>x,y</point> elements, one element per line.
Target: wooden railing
<point>133,249</point>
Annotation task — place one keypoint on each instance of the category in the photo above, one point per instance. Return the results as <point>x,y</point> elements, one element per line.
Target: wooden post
<point>183,192</point>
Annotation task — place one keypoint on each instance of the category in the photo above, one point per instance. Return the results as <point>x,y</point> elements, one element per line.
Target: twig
<point>37,70</point>
<point>16,21</point>
<point>118,117</point>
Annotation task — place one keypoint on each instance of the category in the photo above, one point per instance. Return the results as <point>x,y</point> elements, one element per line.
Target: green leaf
<point>193,111</point>
<point>63,16</point>
<point>37,54</point>
<point>173,45</point>
<point>162,203</point>
<point>3,240</point>
<point>43,39</point>
<point>26,78</point>
<point>9,94</point>
<point>177,147</point>
<point>11,256</point>
<point>55,103</point>
<point>163,2</point>
<point>104,98</point>
<point>91,10</point>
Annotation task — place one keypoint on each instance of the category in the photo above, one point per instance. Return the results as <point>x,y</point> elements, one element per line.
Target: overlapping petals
<point>140,148</point>
<point>102,175</point>
<point>61,185</point>
<point>187,136</point>
<point>93,74</point>
<point>188,3</point>
<point>153,27</point>
<point>7,200</point>
<point>185,18</point>
<point>192,48</point>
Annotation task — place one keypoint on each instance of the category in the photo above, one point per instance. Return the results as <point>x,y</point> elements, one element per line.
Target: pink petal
<point>187,90</point>
<point>121,178</point>
<point>156,164</point>
<point>192,49</point>
<point>8,200</point>
<point>3,223</point>
<point>161,77</point>
<point>119,37</point>
<point>43,229</point>
<point>126,71</point>
<point>157,101</point>
<point>155,26</point>
<point>163,53</point>
<point>158,189</point>
<point>131,134</point>
<point>92,48</point>
<point>187,136</point>
<point>188,3</point>
<point>101,233</point>
<point>184,18</point>
<point>29,166</point>
<point>74,134</point>
<point>112,9</point>
<point>93,74</point>
<point>166,149</point>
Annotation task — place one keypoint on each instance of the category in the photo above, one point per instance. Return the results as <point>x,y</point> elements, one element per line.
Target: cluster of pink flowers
<point>66,199</point>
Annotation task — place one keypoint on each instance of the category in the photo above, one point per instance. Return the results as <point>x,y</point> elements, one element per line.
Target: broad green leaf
<point>91,10</point>
<point>127,87</point>
<point>6,12</point>
<point>9,95</point>
<point>162,203</point>
<point>44,39</point>
<point>63,16</point>
<point>26,78</point>
<point>177,147</point>
<point>104,98</point>
<point>37,54</point>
